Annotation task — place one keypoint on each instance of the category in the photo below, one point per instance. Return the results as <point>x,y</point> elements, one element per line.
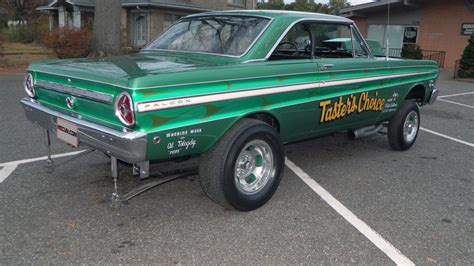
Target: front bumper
<point>433,96</point>
<point>128,146</point>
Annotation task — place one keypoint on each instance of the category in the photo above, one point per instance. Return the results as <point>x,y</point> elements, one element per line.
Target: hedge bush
<point>68,43</point>
<point>412,51</point>
<point>466,66</point>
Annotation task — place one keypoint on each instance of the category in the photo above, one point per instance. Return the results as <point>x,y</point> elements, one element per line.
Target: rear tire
<point>245,167</point>
<point>403,128</point>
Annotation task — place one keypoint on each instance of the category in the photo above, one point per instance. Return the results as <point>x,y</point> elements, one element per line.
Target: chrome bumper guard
<point>433,96</point>
<point>126,146</point>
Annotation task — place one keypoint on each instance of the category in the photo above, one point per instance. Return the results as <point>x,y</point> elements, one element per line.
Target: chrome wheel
<point>410,127</point>
<point>254,167</point>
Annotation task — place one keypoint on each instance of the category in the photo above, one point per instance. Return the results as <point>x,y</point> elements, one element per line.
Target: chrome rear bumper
<point>130,146</point>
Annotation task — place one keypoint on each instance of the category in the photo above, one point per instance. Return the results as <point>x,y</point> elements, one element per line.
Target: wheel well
<point>417,93</point>
<point>266,118</point>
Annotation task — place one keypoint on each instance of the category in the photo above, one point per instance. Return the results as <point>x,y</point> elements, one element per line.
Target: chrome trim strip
<point>68,76</point>
<point>180,102</point>
<point>359,80</point>
<point>253,60</point>
<point>201,99</point>
<point>270,20</point>
<point>231,13</point>
<point>215,81</point>
<point>271,76</point>
<point>75,91</point>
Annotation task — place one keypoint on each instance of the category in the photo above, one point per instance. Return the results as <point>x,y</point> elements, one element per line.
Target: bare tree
<point>22,9</point>
<point>106,33</point>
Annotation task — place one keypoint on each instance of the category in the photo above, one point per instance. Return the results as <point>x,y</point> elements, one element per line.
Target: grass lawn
<point>15,57</point>
<point>15,47</point>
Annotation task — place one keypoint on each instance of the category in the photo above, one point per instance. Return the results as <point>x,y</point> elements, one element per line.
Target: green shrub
<point>18,33</point>
<point>466,66</point>
<point>412,51</point>
<point>68,43</point>
<point>26,33</point>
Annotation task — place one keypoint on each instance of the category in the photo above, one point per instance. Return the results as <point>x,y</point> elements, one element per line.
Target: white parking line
<point>447,137</point>
<point>7,171</point>
<point>43,158</point>
<point>393,253</point>
<point>461,104</point>
<point>457,94</point>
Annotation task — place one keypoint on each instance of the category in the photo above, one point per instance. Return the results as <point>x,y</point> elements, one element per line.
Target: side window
<point>295,45</point>
<point>360,50</point>
<point>332,40</point>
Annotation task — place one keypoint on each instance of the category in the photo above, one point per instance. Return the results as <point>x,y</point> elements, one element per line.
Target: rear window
<point>226,35</point>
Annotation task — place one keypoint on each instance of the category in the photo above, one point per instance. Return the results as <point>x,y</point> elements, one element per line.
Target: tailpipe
<point>365,131</point>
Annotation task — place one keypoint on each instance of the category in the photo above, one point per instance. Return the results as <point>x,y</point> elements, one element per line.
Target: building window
<point>239,3</point>
<point>139,29</point>
<point>380,33</point>
<point>397,35</point>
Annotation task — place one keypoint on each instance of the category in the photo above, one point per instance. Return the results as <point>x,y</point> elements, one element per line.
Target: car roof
<point>281,14</point>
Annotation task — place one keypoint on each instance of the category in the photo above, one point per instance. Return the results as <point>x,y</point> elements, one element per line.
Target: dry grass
<point>15,47</point>
<point>17,56</point>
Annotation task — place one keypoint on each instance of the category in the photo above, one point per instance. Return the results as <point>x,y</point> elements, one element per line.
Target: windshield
<point>226,35</point>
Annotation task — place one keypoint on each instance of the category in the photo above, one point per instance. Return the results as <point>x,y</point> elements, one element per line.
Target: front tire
<point>245,167</point>
<point>403,128</point>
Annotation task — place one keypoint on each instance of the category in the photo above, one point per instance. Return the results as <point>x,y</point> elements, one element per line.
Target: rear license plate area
<point>67,132</point>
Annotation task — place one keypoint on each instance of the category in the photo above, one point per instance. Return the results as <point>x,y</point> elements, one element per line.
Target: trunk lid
<point>93,84</point>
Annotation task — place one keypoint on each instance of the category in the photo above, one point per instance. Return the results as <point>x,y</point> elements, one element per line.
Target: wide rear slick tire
<point>403,128</point>
<point>245,167</point>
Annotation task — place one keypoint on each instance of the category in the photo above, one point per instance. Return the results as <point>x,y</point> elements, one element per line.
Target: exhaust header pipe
<point>365,131</point>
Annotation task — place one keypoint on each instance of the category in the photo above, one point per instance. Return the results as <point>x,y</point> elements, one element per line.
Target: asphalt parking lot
<point>360,201</point>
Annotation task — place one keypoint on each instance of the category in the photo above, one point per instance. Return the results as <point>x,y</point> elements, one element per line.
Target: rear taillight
<point>124,109</point>
<point>30,86</point>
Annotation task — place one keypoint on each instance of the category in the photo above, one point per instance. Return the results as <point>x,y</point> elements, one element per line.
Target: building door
<point>139,29</point>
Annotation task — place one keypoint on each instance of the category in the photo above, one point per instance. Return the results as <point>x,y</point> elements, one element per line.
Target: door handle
<point>326,66</point>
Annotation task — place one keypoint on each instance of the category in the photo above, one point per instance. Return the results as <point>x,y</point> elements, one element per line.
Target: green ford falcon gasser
<point>231,87</point>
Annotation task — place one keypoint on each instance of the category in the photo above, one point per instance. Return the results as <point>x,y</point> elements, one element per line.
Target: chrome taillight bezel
<point>118,112</point>
<point>30,85</point>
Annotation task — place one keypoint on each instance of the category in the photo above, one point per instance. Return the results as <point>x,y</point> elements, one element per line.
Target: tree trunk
<point>107,30</point>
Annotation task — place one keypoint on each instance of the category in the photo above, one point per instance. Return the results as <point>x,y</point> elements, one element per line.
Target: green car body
<point>185,102</point>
